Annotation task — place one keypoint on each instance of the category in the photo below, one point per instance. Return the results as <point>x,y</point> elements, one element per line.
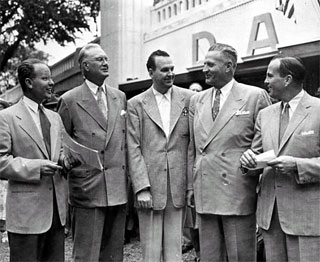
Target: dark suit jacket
<point>297,194</point>
<point>215,149</point>
<point>85,123</point>
<point>149,151</point>
<point>22,150</point>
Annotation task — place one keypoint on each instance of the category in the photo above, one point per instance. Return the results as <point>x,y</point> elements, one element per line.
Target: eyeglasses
<point>100,59</point>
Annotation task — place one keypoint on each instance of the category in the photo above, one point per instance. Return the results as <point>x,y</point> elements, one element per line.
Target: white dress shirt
<point>225,91</point>
<point>34,112</point>
<point>293,103</point>
<point>94,90</point>
<point>164,105</point>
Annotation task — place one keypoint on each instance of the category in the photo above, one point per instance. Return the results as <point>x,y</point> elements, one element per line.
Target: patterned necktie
<point>45,127</point>
<point>284,120</point>
<point>216,104</point>
<point>100,102</point>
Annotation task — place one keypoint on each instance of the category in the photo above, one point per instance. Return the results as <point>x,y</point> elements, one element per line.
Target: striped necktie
<point>284,120</point>
<point>45,127</point>
<point>100,102</point>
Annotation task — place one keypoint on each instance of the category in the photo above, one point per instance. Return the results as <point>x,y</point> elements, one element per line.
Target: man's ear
<point>288,80</point>
<point>28,82</point>
<point>150,72</point>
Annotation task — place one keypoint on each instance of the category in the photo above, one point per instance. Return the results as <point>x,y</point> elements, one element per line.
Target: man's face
<point>96,65</point>
<point>163,75</point>
<point>215,69</point>
<point>40,87</point>
<point>274,82</point>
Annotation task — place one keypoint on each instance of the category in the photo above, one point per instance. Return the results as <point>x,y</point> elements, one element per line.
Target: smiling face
<point>217,68</point>
<point>163,75</point>
<point>40,86</point>
<point>96,65</point>
<point>274,82</point>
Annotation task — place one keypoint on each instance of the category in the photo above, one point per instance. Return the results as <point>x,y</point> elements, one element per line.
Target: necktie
<point>164,108</point>
<point>100,102</point>
<point>45,127</point>
<point>284,120</point>
<point>216,104</point>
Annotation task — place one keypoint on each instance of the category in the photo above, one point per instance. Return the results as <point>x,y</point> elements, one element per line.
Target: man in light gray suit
<point>222,127</point>
<point>289,191</point>
<point>158,137</point>
<point>94,115</point>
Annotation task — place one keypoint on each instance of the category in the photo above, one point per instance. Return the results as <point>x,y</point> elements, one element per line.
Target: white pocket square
<point>307,133</point>
<point>241,113</point>
<point>123,112</point>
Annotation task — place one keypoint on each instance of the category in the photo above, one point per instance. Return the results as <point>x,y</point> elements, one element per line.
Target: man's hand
<point>70,162</point>
<point>284,164</point>
<point>190,198</point>
<point>248,159</point>
<point>144,199</point>
<point>49,168</point>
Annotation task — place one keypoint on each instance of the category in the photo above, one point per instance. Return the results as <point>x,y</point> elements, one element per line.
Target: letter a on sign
<point>270,41</point>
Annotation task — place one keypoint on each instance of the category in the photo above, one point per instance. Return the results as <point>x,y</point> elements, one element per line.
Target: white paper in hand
<point>263,159</point>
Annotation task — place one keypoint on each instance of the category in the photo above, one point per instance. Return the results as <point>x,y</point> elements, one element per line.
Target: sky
<point>57,52</point>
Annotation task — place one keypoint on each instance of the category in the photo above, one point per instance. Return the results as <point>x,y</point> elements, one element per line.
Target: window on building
<point>193,3</point>
<point>159,16</point>
<point>164,14</point>
<point>199,2</point>
<point>169,11</point>
<point>187,4</point>
<point>180,6</point>
<point>175,9</point>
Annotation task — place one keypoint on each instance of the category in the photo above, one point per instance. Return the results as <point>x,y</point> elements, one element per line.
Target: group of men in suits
<point>178,148</point>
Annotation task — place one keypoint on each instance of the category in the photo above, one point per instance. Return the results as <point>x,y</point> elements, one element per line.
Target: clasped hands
<point>282,164</point>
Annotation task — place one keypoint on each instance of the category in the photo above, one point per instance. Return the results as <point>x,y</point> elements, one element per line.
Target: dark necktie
<point>216,104</point>
<point>284,120</point>
<point>100,102</point>
<point>45,127</point>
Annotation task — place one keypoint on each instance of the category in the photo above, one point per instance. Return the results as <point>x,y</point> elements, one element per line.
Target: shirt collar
<point>293,103</point>
<point>225,90</point>
<point>157,94</point>
<point>31,104</point>
<point>93,87</point>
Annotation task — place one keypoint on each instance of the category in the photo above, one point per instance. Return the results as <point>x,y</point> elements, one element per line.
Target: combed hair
<point>151,63</point>
<point>26,70</point>
<point>83,52</point>
<point>227,50</point>
<point>291,65</point>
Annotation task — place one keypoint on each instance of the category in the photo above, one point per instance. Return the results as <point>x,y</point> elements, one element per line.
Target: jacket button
<point>224,175</point>
<point>223,154</point>
<point>102,151</point>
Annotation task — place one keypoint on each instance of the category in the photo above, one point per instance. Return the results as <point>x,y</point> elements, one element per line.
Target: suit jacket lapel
<point>113,112</point>
<point>204,108</point>
<point>151,107</point>
<point>233,103</point>
<point>177,105</point>
<point>298,116</point>
<point>28,125</point>
<point>274,118</point>
<point>89,104</point>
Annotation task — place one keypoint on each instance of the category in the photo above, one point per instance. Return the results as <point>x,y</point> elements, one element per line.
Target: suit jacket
<point>215,149</point>
<point>149,151</point>
<point>85,123</point>
<point>297,194</point>
<point>22,150</point>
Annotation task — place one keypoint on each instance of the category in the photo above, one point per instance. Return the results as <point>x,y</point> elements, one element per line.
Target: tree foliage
<point>26,22</point>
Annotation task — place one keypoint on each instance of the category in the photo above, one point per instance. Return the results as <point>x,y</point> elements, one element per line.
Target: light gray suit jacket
<point>85,123</point>
<point>214,168</point>
<point>149,151</point>
<point>297,194</point>
<point>22,150</point>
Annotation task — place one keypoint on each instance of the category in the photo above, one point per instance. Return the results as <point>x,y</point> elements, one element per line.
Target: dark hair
<point>227,50</point>
<point>26,70</point>
<point>151,63</point>
<point>291,65</point>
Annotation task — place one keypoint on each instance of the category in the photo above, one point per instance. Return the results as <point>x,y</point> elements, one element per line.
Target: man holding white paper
<point>94,115</point>
<point>289,192</point>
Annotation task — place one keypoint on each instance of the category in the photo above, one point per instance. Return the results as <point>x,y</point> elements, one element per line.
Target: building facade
<point>258,29</point>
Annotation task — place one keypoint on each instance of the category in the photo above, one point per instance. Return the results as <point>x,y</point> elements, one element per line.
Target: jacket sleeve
<point>15,167</point>
<point>137,166</point>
